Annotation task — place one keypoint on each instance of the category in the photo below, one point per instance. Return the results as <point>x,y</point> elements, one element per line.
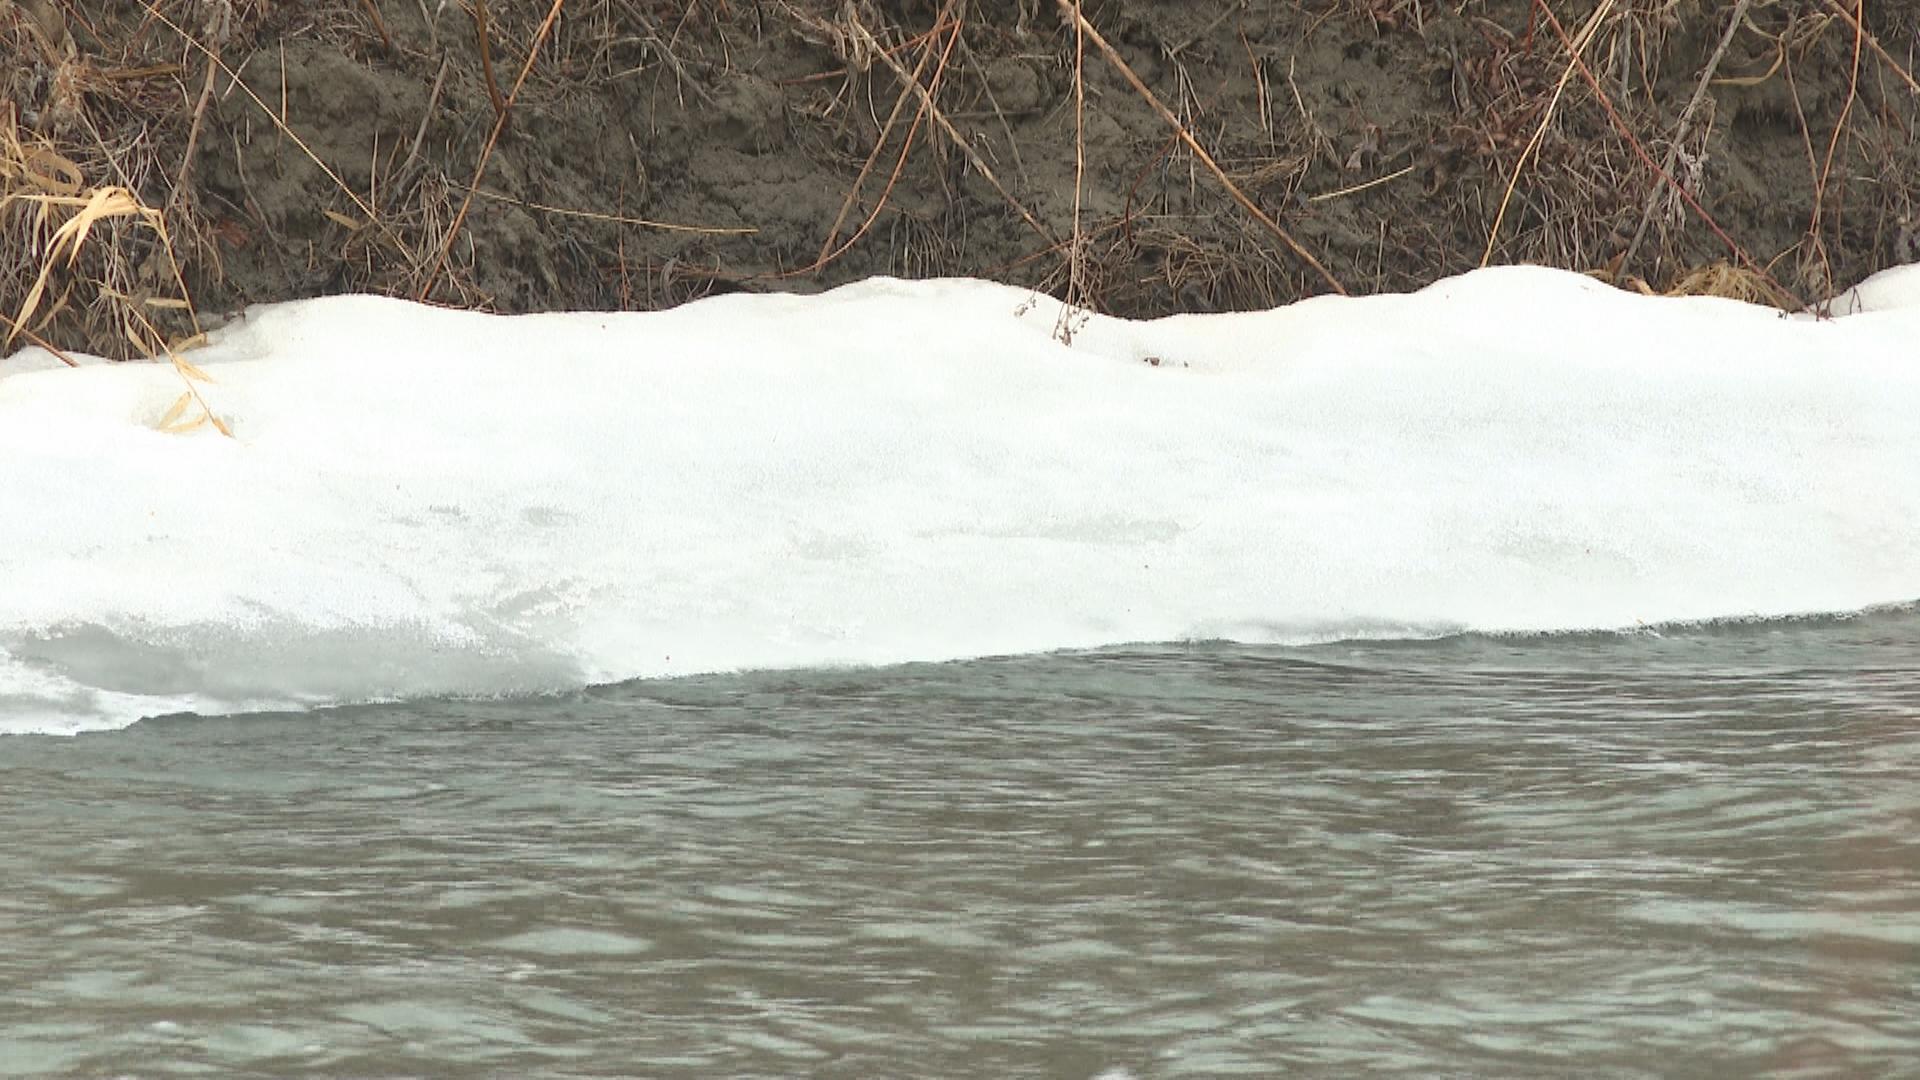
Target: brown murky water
<point>1689,854</point>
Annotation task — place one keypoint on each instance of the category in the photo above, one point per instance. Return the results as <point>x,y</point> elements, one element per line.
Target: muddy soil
<point>660,150</point>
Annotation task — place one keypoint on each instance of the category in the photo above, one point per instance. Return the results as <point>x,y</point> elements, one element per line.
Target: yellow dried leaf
<point>191,370</point>
<point>32,301</point>
<point>51,172</point>
<point>342,220</point>
<point>106,202</point>
<point>178,407</point>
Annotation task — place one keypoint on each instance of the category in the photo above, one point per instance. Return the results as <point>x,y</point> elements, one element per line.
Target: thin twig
<point>1580,42</point>
<point>426,118</point>
<point>1076,255</point>
<point>664,50</point>
<point>1680,131</point>
<point>22,330</point>
<point>1000,114</point>
<point>486,58</point>
<point>1620,125</point>
<point>379,23</point>
<point>899,164</point>
<point>193,137</point>
<point>940,118</point>
<point>1200,152</point>
<point>277,121</point>
<point>486,152</point>
<point>1874,44</point>
<point>1358,188</point>
<point>886,131</point>
<point>613,219</point>
<point>1839,126</point>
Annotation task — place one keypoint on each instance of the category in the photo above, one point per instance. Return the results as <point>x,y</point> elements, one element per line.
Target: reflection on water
<point>1691,854</point>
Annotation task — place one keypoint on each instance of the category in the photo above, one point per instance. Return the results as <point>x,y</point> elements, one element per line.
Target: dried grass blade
<point>174,411</point>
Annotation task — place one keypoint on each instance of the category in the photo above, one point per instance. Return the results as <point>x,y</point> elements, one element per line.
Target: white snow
<point>418,501</point>
<point>1892,288</point>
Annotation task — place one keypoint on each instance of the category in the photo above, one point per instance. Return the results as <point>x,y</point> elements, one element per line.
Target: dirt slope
<point>1382,135</point>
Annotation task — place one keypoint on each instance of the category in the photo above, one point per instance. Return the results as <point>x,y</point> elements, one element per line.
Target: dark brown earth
<point>1381,135</point>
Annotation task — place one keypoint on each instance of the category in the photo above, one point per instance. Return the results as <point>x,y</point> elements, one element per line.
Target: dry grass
<point>1723,279</point>
<point>1152,158</point>
<point>65,220</point>
<point>88,261</point>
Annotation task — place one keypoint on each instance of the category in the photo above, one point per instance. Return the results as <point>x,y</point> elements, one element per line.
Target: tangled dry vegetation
<point>161,158</point>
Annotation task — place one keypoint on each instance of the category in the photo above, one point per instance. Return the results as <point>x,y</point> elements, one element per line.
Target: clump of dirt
<point>660,150</point>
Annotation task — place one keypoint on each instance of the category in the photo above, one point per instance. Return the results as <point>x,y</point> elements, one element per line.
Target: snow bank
<point>1890,289</point>
<point>420,501</point>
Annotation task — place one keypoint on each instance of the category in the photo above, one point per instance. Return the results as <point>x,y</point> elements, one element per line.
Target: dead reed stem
<point>279,123</point>
<point>1072,11</point>
<point>1873,43</point>
<point>973,156</point>
<point>1680,129</point>
<point>486,153</point>
<point>615,219</point>
<point>1076,255</point>
<point>379,24</point>
<point>426,118</point>
<point>193,136</point>
<point>484,40</point>
<point>900,163</point>
<point>16,328</point>
<point>1613,115</point>
<point>827,251</point>
<point>1839,126</point>
<point>1580,42</point>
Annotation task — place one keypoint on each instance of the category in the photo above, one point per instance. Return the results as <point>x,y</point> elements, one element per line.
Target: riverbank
<point>640,153</point>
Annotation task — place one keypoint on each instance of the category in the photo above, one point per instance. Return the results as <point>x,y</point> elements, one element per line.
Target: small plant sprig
<point>177,420</point>
<point>180,417</point>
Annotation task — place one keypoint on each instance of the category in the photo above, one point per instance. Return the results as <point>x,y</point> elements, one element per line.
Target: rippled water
<point>1688,854</point>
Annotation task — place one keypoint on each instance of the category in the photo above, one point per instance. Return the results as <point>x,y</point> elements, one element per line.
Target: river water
<point>1687,853</point>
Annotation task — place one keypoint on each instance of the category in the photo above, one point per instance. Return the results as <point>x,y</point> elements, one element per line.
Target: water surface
<point>1692,853</point>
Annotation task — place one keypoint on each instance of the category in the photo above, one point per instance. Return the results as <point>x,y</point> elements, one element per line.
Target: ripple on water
<point>1653,855</point>
<point>571,941</point>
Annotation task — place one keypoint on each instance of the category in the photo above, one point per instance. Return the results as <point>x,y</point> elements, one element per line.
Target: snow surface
<point>420,501</point>
<point>1894,287</point>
